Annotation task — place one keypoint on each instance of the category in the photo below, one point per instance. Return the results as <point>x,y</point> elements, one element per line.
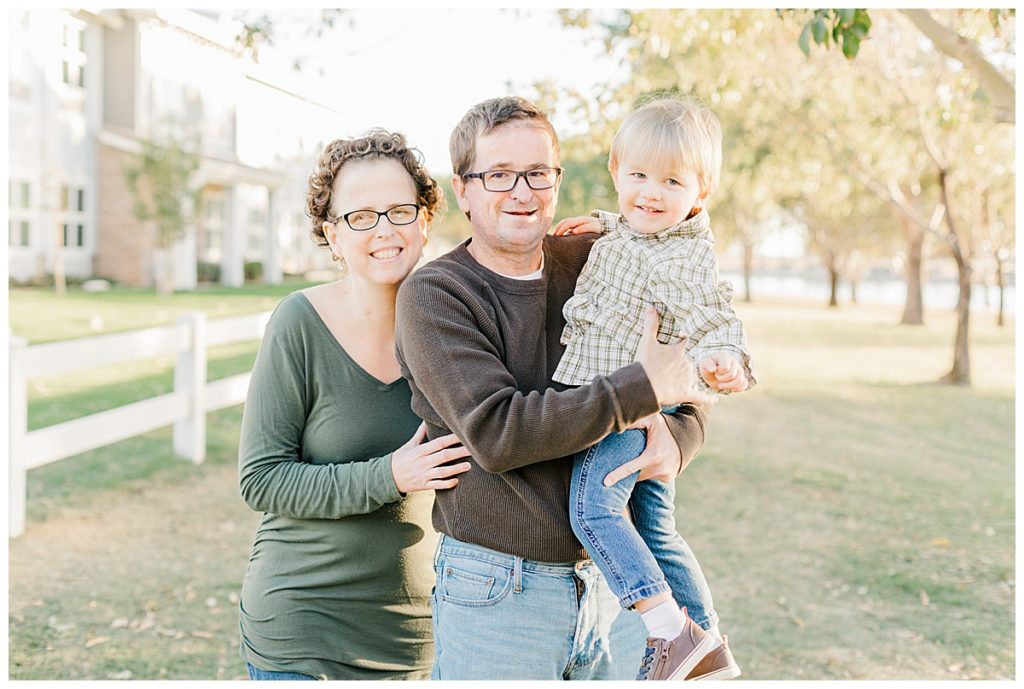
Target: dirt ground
<point>143,586</point>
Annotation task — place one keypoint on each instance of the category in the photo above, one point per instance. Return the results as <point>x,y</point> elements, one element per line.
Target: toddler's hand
<point>579,225</point>
<point>723,372</point>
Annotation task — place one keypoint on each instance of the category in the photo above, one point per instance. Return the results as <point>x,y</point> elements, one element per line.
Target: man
<point>478,333</point>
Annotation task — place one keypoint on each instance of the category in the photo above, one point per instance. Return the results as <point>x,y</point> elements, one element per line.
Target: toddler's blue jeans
<point>642,560</point>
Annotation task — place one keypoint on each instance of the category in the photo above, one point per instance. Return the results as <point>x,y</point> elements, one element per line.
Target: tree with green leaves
<point>895,124</point>
<point>927,133</point>
<point>703,53</point>
<point>161,183</point>
<point>957,34</point>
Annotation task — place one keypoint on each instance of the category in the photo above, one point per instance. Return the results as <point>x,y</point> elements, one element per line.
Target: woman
<point>338,583</point>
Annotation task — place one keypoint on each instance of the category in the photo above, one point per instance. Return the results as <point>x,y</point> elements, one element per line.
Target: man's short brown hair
<point>485,117</point>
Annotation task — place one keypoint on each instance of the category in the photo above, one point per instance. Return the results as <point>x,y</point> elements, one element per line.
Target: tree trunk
<point>913,307</point>
<point>1001,283</point>
<point>59,279</point>
<point>748,269</point>
<point>960,374</point>
<point>163,262</point>
<point>853,291</point>
<point>833,274</point>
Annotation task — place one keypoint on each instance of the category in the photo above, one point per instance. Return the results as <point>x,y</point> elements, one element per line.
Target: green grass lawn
<point>854,519</point>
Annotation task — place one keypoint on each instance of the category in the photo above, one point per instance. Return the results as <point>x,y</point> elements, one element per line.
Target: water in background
<point>937,295</point>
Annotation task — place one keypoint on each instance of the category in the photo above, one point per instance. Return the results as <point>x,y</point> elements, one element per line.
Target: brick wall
<point>124,246</point>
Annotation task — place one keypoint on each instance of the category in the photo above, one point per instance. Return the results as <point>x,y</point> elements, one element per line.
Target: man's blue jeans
<point>501,617</point>
<point>637,561</point>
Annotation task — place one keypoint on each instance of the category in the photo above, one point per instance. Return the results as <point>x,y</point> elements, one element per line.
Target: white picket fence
<point>186,407</point>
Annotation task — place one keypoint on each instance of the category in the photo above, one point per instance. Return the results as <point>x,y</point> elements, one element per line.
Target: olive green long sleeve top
<point>480,350</point>
<point>338,583</point>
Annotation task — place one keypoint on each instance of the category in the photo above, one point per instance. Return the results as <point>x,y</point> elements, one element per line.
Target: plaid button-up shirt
<point>676,271</point>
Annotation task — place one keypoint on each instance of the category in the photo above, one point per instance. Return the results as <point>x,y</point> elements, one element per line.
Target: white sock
<point>664,621</point>
<point>713,632</point>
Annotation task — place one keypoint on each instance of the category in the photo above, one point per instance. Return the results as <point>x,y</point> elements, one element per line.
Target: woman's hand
<point>417,467</point>
<point>582,224</point>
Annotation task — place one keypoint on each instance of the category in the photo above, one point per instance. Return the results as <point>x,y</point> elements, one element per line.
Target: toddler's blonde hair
<point>679,131</point>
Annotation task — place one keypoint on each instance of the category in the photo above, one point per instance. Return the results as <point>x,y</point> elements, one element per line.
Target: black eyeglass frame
<point>522,173</point>
<point>376,222</point>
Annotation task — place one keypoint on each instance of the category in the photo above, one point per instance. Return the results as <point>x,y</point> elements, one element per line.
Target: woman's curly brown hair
<point>375,144</point>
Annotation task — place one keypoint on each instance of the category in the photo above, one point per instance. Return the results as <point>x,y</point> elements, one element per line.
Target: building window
<point>72,74</point>
<point>72,202</point>
<point>74,234</point>
<point>20,194</point>
<point>73,57</point>
<point>18,224</point>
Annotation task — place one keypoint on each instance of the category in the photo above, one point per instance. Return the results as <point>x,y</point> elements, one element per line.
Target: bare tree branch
<point>967,52</point>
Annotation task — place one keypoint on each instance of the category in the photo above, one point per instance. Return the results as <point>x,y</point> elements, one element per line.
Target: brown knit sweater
<point>479,350</point>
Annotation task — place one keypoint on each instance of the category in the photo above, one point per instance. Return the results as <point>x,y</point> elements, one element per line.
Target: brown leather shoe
<point>718,664</point>
<point>675,658</point>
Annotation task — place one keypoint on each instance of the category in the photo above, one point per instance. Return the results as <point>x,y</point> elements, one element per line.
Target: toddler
<point>665,162</point>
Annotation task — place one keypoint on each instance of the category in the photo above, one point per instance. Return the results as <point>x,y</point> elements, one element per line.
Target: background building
<point>86,88</point>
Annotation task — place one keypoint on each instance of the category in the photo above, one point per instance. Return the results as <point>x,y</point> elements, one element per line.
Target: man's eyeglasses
<point>363,220</point>
<point>505,180</point>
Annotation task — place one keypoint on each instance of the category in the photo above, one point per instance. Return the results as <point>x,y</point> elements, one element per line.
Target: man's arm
<point>448,346</point>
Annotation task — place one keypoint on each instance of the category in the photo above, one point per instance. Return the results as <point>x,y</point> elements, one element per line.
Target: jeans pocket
<point>471,582</point>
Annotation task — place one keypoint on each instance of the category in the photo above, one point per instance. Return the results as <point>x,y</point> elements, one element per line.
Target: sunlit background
<point>854,512</point>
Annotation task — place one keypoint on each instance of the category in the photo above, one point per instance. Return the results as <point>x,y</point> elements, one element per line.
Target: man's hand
<point>582,224</point>
<point>659,460</point>
<point>672,376</point>
<point>723,372</point>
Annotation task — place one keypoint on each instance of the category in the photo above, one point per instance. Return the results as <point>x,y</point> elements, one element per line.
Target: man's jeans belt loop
<point>517,575</point>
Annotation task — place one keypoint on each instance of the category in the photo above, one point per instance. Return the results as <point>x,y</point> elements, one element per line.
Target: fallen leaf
<point>93,605</point>
<point>233,598</point>
<point>96,641</point>
<point>124,674</point>
<point>940,542</point>
<point>955,668</point>
<point>925,600</point>
<point>798,622</point>
<point>211,602</point>
<point>203,635</point>
<point>119,623</point>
